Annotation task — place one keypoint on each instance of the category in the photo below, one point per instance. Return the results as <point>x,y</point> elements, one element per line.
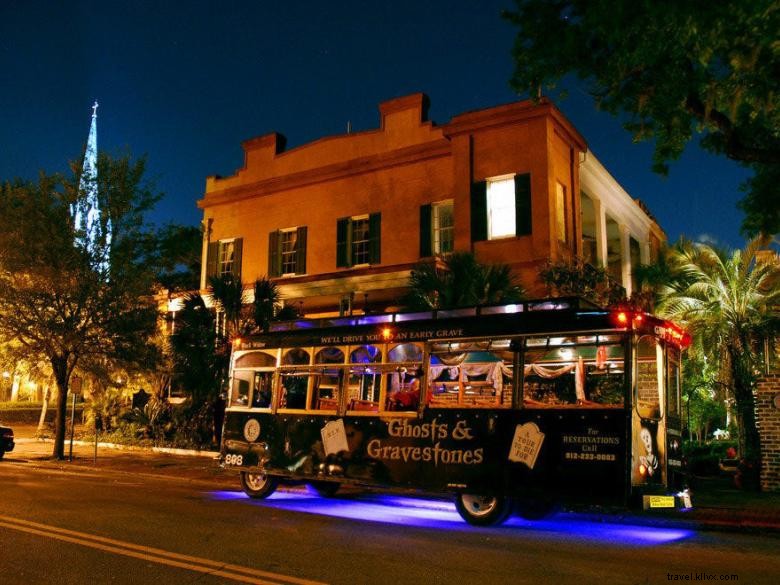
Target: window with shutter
<point>358,240</point>
<point>501,207</point>
<point>224,257</point>
<point>287,251</point>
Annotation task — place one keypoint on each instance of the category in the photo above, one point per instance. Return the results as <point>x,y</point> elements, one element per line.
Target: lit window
<point>360,240</point>
<point>227,254</point>
<point>560,211</point>
<point>288,251</point>
<point>501,208</point>
<point>443,225</point>
<point>224,257</point>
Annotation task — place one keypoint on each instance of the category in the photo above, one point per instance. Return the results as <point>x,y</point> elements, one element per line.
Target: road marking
<point>156,555</point>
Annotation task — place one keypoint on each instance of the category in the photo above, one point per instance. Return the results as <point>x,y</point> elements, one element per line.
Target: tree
<point>228,294</point>
<point>198,363</point>
<point>180,254</point>
<point>264,307</point>
<point>671,69</point>
<point>459,280</point>
<point>729,302</point>
<point>56,301</point>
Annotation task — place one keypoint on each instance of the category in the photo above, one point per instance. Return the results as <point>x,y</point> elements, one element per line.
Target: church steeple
<point>92,232</point>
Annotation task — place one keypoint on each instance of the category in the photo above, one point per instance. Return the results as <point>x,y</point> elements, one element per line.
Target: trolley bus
<point>526,405</point>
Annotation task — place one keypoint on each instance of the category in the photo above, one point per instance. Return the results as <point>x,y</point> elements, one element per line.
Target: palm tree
<point>461,281</point>
<point>228,294</point>
<point>729,300</point>
<point>267,298</point>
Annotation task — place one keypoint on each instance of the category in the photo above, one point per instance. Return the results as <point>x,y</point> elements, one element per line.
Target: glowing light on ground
<point>431,513</point>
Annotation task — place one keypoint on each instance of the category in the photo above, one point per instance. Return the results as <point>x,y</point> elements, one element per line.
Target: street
<point>108,527</point>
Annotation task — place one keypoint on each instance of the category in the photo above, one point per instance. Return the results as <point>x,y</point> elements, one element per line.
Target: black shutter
<point>426,247</point>
<point>274,257</point>
<point>212,259</point>
<point>479,211</point>
<point>523,204</point>
<point>343,259</point>
<point>300,251</point>
<point>238,245</point>
<point>375,238</point>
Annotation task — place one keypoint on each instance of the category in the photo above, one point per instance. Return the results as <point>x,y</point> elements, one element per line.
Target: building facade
<point>338,223</point>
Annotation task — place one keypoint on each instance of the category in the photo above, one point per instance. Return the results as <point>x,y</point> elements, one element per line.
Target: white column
<point>625,258</point>
<point>601,231</point>
<point>644,252</point>
<point>204,253</point>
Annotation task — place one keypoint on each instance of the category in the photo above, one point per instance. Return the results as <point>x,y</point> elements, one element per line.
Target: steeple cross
<point>94,109</point>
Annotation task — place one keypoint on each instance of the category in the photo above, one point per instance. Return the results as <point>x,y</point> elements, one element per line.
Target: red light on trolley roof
<point>627,318</point>
<point>676,335</point>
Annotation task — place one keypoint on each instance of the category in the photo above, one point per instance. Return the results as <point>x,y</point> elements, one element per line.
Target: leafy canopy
<point>672,69</point>
<point>729,300</point>
<point>57,303</point>
<point>459,280</point>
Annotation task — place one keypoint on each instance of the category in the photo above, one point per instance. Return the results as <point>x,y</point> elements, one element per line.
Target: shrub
<point>704,458</point>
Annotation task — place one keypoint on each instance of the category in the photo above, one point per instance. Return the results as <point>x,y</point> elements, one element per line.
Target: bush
<point>30,412</point>
<point>704,458</point>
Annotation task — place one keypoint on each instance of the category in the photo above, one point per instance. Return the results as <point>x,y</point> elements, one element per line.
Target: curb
<point>119,447</point>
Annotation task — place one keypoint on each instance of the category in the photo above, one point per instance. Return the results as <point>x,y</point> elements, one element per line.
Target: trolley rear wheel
<point>258,485</point>
<point>483,510</point>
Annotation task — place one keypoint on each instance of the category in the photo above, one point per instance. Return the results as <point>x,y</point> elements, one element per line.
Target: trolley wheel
<point>326,489</point>
<point>258,485</point>
<point>483,510</point>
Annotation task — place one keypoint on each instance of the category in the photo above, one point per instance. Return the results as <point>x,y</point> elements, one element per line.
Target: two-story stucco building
<point>338,223</point>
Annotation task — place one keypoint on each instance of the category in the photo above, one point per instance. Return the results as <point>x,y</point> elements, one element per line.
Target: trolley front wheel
<point>258,485</point>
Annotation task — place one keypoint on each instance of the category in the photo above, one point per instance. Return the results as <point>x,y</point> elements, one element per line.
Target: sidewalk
<point>718,505</point>
<point>195,467</point>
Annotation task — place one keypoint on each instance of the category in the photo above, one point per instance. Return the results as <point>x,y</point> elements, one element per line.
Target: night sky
<point>187,82</point>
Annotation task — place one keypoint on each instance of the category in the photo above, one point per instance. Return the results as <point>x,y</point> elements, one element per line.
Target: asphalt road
<point>62,527</point>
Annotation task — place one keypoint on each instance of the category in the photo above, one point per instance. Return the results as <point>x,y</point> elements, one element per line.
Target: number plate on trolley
<point>234,459</point>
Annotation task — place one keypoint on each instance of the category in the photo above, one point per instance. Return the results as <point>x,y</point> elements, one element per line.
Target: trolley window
<point>649,377</point>
<point>256,359</point>
<point>365,354</point>
<point>584,371</point>
<point>673,381</point>
<point>475,375</point>
<point>296,357</point>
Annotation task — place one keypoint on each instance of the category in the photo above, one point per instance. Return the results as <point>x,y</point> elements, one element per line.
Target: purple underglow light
<point>429,513</point>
